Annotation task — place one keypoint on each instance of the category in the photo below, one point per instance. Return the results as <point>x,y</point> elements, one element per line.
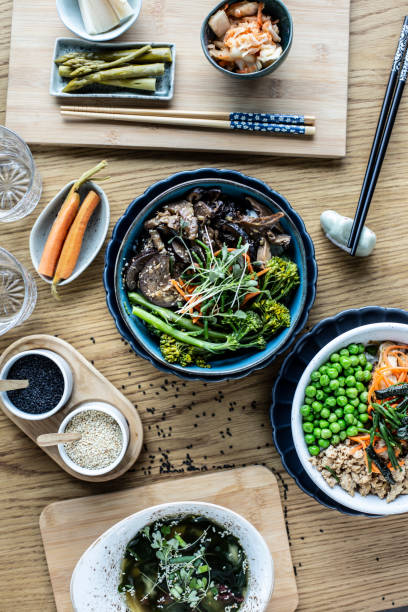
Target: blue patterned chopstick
<point>301,130</point>
<point>272,118</point>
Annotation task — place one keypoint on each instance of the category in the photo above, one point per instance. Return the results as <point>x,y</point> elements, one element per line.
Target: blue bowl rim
<point>237,368</point>
<point>252,75</point>
<point>121,227</point>
<point>327,322</point>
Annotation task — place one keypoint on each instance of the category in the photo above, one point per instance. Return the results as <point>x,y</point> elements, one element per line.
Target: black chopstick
<point>381,139</point>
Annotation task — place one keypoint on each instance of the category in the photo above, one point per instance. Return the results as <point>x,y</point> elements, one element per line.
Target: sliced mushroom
<point>263,211</point>
<point>179,217</point>
<point>259,225</point>
<point>136,265</point>
<point>157,241</point>
<point>263,253</point>
<point>180,251</point>
<point>154,281</point>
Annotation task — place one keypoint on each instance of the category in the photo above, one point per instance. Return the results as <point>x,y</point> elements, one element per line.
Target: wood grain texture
<point>313,81</point>
<point>252,492</point>
<point>89,386</point>
<point>342,564</point>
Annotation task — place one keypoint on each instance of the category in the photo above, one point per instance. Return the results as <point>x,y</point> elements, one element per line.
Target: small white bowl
<point>70,15</point>
<point>94,582</point>
<point>94,236</point>
<point>371,504</point>
<point>68,384</point>
<point>124,428</point>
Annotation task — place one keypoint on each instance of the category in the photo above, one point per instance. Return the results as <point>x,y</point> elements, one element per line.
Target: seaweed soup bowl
<point>371,504</point>
<point>239,362</point>
<point>94,582</point>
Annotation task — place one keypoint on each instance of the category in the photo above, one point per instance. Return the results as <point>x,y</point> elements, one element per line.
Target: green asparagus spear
<point>65,71</point>
<point>67,56</point>
<point>148,84</point>
<point>158,54</point>
<point>123,72</point>
<point>126,59</point>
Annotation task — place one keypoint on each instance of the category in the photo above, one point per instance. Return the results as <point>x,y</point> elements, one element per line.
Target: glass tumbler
<point>20,181</point>
<point>18,292</point>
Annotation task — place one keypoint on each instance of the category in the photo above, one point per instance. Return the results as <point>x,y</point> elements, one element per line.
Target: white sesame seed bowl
<point>95,580</point>
<point>105,438</point>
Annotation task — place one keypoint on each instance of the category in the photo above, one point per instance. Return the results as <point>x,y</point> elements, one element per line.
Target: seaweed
<point>377,461</point>
<point>400,390</point>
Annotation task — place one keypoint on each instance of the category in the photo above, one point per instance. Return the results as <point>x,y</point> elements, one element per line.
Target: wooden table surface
<point>342,563</point>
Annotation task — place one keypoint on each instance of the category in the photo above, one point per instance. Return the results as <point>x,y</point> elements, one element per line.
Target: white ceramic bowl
<point>117,416</point>
<point>371,504</point>
<point>94,582</point>
<point>94,236</point>
<point>68,383</point>
<point>70,15</point>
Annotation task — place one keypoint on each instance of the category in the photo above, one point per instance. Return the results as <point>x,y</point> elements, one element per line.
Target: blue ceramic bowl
<point>234,364</point>
<point>274,8</point>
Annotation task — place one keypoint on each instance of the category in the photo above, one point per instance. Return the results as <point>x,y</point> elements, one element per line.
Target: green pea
<point>339,412</point>
<point>317,406</point>
<point>326,433</point>
<point>344,352</point>
<point>360,387</point>
<point>309,419</point>
<point>359,375</point>
<point>364,396</point>
<point>332,373</point>
<point>369,366</point>
<point>325,413</point>
<point>342,423</point>
<point>320,395</point>
<point>335,440</point>
<point>352,431</point>
<point>315,376</point>
<point>343,435</point>
<point>353,349</point>
<point>340,391</point>
<point>324,380</point>
<point>323,443</point>
<point>335,428</point>
<point>361,348</point>
<point>359,424</point>
<point>350,381</point>
<point>323,424</point>
<point>338,367</point>
<point>362,359</point>
<point>331,401</point>
<point>341,401</point>
<point>367,375</point>
<point>345,362</point>
<point>317,432</point>
<point>305,410</point>
<point>334,357</point>
<point>323,369</point>
<point>348,371</point>
<point>354,361</point>
<point>354,402</point>
<point>342,381</point>
<point>362,408</point>
<point>307,427</point>
<point>352,392</point>
<point>308,401</point>
<point>349,419</point>
<point>310,391</point>
<point>349,409</point>
<point>309,439</point>
<point>355,422</point>
<point>316,423</point>
<point>334,384</point>
<point>327,390</point>
<point>314,450</point>
<point>332,418</point>
<point>364,418</point>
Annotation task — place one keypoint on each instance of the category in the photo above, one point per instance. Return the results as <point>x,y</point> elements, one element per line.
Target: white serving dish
<point>371,504</point>
<point>95,232</point>
<point>68,384</point>
<point>94,582</point>
<point>70,15</point>
<point>117,416</point>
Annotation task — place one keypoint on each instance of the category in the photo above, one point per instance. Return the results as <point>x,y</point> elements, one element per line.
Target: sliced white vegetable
<point>122,8</point>
<point>338,228</point>
<point>219,23</point>
<point>98,16</point>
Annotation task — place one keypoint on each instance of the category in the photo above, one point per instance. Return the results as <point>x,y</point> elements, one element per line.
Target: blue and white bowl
<point>234,365</point>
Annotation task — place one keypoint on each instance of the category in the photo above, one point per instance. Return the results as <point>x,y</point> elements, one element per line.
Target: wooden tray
<point>69,527</point>
<point>89,384</point>
<point>313,80</point>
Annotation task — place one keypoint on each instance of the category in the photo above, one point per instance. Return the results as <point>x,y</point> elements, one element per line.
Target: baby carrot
<point>72,245</point>
<point>62,223</point>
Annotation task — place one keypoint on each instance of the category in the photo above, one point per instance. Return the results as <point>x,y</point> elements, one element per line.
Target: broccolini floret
<point>281,278</point>
<point>175,351</point>
<point>274,314</point>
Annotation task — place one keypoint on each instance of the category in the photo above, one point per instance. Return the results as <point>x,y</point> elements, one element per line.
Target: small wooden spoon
<point>13,385</point>
<point>52,439</point>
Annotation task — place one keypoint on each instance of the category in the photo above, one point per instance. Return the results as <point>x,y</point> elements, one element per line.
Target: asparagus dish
<point>210,276</point>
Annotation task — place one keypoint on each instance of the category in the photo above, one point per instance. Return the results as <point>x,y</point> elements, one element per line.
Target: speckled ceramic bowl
<point>94,583</point>
<point>278,10</point>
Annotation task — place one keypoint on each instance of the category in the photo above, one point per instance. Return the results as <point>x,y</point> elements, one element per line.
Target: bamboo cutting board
<point>69,527</point>
<point>312,81</point>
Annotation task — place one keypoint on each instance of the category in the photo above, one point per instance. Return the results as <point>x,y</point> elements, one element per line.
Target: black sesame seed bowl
<point>50,384</point>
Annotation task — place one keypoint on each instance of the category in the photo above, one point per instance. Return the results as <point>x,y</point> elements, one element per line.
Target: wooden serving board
<point>69,527</point>
<point>313,80</point>
<point>89,385</point>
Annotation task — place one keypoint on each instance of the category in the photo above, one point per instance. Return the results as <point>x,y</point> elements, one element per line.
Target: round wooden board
<point>89,385</point>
